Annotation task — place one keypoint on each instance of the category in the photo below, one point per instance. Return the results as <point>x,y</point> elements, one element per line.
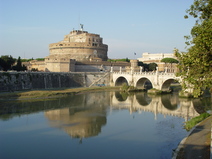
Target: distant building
<point>149,58</point>
<point>156,58</point>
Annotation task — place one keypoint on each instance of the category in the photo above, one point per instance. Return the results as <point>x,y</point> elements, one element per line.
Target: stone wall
<point>104,66</point>
<point>13,81</point>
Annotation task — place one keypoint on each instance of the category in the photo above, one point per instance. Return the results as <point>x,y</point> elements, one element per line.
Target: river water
<point>99,125</point>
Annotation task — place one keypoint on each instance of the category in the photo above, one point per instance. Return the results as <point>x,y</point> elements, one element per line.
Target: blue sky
<point>27,27</point>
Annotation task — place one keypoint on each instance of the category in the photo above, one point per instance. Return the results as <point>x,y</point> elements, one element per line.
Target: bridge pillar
<point>111,69</point>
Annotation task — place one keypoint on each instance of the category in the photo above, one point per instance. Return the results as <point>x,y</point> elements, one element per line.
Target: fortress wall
<point>97,66</point>
<point>14,81</point>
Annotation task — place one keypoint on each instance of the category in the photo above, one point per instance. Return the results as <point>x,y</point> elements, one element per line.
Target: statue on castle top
<point>81,26</point>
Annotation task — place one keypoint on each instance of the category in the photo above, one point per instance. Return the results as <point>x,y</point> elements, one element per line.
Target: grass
<point>194,121</point>
<point>49,93</point>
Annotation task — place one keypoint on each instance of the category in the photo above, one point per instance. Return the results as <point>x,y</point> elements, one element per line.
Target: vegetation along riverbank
<point>50,93</point>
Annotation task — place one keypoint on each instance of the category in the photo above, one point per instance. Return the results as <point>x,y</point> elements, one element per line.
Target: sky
<point>27,27</point>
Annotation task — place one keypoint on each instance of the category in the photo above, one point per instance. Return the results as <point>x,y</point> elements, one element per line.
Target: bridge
<point>158,80</point>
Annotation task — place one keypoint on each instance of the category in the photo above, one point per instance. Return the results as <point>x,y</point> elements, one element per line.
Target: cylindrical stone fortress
<point>81,46</point>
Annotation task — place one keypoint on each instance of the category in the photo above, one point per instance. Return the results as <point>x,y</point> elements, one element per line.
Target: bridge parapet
<point>146,73</point>
<point>159,80</point>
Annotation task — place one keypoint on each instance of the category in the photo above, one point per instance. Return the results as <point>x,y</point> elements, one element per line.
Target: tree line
<point>7,62</point>
<point>10,63</point>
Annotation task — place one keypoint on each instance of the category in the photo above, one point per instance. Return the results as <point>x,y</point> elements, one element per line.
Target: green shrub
<point>194,121</point>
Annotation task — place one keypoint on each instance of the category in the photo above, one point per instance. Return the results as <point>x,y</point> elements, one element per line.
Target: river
<point>98,125</point>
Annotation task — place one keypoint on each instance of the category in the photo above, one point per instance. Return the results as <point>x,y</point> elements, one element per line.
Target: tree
<point>168,63</point>
<point>152,66</point>
<point>196,64</point>
<point>169,60</point>
<point>6,62</point>
<point>144,65</point>
<point>18,66</point>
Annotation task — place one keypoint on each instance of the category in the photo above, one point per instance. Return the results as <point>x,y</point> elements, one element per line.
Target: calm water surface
<point>106,125</point>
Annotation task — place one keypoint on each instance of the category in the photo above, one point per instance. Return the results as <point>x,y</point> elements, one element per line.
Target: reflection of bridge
<point>166,105</point>
<point>160,81</point>
<point>84,115</point>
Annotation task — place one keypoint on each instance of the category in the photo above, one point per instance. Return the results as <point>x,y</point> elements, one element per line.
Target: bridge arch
<point>120,81</point>
<point>144,83</point>
<point>166,85</point>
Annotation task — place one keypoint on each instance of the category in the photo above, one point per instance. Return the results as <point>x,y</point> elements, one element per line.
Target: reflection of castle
<point>83,115</point>
<point>78,124</point>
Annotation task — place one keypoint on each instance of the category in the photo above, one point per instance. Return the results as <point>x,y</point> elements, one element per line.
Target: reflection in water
<point>170,101</point>
<point>78,123</point>
<point>143,99</point>
<point>168,104</point>
<point>121,96</point>
<point>84,115</point>
<point>84,118</point>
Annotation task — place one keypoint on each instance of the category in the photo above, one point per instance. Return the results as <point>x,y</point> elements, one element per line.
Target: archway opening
<point>120,81</point>
<point>171,85</point>
<point>144,83</point>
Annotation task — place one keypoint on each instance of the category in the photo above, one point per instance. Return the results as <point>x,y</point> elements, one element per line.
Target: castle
<point>81,51</point>
<point>79,45</point>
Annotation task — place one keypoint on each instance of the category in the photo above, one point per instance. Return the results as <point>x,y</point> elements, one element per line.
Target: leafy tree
<point>144,65</point>
<point>6,62</point>
<point>169,60</point>
<point>196,64</point>
<point>152,66</point>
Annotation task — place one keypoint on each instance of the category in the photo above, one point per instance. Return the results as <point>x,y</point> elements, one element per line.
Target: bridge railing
<point>145,73</point>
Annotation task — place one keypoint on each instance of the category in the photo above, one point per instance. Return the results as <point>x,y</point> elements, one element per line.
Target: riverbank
<point>197,143</point>
<point>49,93</point>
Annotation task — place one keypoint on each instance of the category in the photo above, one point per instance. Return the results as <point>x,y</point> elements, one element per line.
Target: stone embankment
<point>16,81</point>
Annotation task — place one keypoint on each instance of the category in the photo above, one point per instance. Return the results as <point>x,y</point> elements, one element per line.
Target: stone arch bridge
<point>159,80</point>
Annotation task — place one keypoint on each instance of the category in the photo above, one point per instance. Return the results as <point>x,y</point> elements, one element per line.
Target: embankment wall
<point>14,81</point>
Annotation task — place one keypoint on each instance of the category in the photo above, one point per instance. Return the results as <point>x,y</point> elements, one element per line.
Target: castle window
<point>61,44</point>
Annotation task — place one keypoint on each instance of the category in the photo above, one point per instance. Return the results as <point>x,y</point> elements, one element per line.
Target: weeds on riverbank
<point>50,93</point>
<point>191,123</point>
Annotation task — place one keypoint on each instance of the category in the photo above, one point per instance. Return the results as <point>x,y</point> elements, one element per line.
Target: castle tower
<point>79,45</point>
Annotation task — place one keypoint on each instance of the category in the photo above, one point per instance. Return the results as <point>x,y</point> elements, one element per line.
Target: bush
<point>194,121</point>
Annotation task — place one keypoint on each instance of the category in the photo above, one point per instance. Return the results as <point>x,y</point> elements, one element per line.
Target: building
<point>79,51</point>
<point>156,58</point>
<point>79,45</point>
<point>149,58</point>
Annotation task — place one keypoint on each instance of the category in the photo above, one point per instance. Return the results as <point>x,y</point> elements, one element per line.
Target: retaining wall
<point>13,81</point>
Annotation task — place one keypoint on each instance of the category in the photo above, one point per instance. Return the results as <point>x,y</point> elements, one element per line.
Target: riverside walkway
<point>197,145</point>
